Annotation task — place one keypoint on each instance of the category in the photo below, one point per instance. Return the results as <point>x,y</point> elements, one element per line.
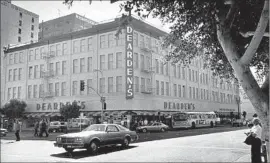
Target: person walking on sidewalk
<point>36,126</point>
<point>256,132</point>
<point>17,128</point>
<point>43,128</point>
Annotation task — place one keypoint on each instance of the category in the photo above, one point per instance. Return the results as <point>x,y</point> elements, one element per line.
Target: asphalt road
<point>214,147</point>
<point>143,137</point>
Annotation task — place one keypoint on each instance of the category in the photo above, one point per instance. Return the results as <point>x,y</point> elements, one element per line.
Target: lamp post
<point>238,105</point>
<point>102,99</point>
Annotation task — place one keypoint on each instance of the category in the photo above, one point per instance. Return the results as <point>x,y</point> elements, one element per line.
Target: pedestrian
<point>36,126</point>
<point>145,122</point>
<point>17,128</point>
<point>43,129</point>
<point>256,132</point>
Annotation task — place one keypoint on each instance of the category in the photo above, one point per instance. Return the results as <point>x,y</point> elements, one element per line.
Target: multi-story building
<point>18,26</point>
<point>63,25</point>
<point>128,71</point>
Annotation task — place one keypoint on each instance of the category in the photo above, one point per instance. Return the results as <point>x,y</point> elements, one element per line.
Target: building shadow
<point>84,153</point>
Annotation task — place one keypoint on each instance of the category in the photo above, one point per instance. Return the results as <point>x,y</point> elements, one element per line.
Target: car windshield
<point>95,128</point>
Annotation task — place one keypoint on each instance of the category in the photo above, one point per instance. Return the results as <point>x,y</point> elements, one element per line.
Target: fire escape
<point>48,74</point>
<point>149,70</point>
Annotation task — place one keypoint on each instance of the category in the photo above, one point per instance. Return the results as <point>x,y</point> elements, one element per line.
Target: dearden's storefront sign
<point>55,106</point>
<point>178,106</point>
<point>129,63</point>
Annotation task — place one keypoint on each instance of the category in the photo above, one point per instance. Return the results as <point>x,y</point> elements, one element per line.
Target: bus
<point>193,119</point>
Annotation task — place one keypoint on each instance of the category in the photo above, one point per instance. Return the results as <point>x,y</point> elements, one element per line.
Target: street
<point>214,147</point>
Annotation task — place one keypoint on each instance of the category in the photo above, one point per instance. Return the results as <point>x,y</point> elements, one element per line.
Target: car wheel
<point>144,130</point>
<point>162,130</point>
<point>69,150</point>
<point>93,147</point>
<point>125,142</point>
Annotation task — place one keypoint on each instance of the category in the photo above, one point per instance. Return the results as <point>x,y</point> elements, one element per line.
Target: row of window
<point>15,74</point>
<point>16,92</point>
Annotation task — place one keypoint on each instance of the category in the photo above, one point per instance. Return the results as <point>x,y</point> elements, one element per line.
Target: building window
<point>14,92</point>
<point>36,71</point>
<point>121,39</point>
<point>37,55</point>
<point>102,85</point>
<point>19,92</point>
<point>32,35</point>
<point>51,69</point>
<point>56,87</point>
<point>119,84</point>
<point>30,72</point>
<point>16,58</point>
<point>110,61</point>
<point>167,68</point>
<point>196,76</point>
<point>11,59</point>
<point>31,55</point>
<point>20,23</point>
<point>148,63</point>
<point>42,52</point>
<point>35,93</point>
<point>32,27</point>
<point>83,42</point>
<point>102,41</point>
<point>29,91</point>
<point>157,66</point>
<point>41,90</point>
<point>175,90</point>
<point>21,57</point>
<point>142,62</point>
<point>102,62</point>
<point>33,20</point>
<point>135,39</point>
<point>9,74</point>
<point>197,93</point>
<point>119,60</point>
<point>136,60</point>
<point>179,71</point>
<point>193,78</point>
<point>58,50</point>
<point>52,50</point>
<point>193,93</point>
<point>142,41</point>
<point>184,91</point>
<point>42,70</point>
<point>143,84</point>
<point>19,31</point>
<point>75,66</point>
<point>89,86</point>
<point>64,67</point>
<point>189,74</point>
<point>76,46</point>
<point>111,40</point>
<point>19,39</point>
<point>167,88</point>
<point>179,91</point>
<point>183,73</point>
<point>162,88</point>
<point>74,87</point>
<point>20,15</point>
<point>136,83</point>
<point>14,74</point>
<point>147,43</point>
<point>82,65</point>
<point>63,89</point>
<point>57,69</point>
<point>174,70</point>
<point>65,50</point>
<point>50,88</point>
<point>90,47</point>
<point>190,92</point>
<point>157,87</point>
<point>110,84</point>
<point>162,68</point>
<point>9,93</point>
<point>20,74</point>
<point>89,64</point>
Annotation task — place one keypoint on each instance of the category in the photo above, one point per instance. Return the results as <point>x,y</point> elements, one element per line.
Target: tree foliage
<point>70,110</point>
<point>14,109</point>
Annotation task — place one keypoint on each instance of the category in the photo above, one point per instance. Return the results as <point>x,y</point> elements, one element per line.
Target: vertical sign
<point>129,63</point>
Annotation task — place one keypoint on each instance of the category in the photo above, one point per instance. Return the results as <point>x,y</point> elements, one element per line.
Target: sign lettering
<point>56,106</point>
<point>129,63</point>
<point>178,106</point>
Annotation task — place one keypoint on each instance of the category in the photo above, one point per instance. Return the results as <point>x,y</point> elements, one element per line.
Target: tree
<point>228,34</point>
<point>70,110</point>
<point>14,108</point>
<point>244,114</point>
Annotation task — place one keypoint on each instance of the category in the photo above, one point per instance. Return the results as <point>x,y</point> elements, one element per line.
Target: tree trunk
<point>259,100</point>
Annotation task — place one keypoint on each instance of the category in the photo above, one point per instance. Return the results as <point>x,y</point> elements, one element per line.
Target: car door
<point>152,127</point>
<point>112,134</point>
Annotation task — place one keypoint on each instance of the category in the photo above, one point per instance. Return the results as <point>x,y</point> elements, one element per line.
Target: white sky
<point>97,11</point>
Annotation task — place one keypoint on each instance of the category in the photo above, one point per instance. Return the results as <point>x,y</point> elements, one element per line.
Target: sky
<point>97,11</point>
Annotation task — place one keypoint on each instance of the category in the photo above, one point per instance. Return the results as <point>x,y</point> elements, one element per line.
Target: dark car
<point>96,136</point>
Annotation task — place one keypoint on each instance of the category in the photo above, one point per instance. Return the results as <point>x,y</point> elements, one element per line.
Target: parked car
<point>237,122</point>
<point>156,126</point>
<point>3,132</point>
<point>57,126</point>
<point>96,136</point>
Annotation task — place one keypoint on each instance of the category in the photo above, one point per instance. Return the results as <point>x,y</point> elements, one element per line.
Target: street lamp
<point>237,99</point>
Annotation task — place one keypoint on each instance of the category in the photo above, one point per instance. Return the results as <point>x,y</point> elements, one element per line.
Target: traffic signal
<point>104,106</point>
<point>82,85</point>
